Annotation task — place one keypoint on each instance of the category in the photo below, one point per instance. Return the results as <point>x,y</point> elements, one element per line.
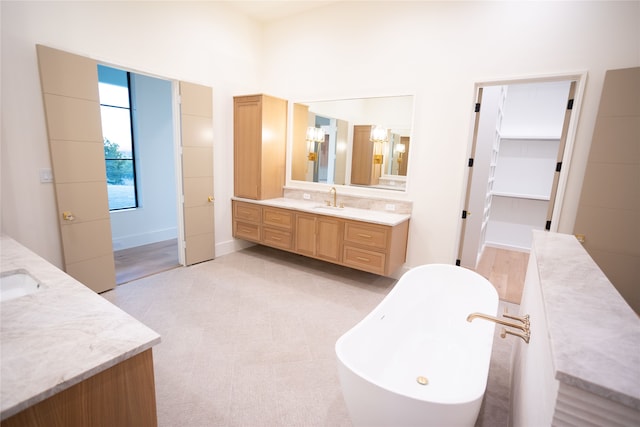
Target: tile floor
<point>248,340</point>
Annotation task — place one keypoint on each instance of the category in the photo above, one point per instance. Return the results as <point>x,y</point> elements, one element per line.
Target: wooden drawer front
<point>363,259</point>
<point>277,217</point>
<point>245,230</point>
<point>276,238</point>
<point>246,212</point>
<point>371,235</point>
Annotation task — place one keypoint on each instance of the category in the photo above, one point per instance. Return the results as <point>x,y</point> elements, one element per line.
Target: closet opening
<point>522,140</point>
<point>141,174</point>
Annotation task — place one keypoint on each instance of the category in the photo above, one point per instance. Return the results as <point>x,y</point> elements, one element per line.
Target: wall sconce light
<point>400,149</point>
<point>314,135</point>
<point>379,134</point>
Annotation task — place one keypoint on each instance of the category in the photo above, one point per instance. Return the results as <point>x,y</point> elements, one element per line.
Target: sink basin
<point>15,284</point>
<point>329,208</point>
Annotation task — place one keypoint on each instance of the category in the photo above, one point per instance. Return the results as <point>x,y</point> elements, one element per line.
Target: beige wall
<point>444,48</point>
<point>610,203</point>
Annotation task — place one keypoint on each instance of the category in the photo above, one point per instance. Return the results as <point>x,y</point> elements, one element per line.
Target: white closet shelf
<point>521,195</point>
<point>534,137</point>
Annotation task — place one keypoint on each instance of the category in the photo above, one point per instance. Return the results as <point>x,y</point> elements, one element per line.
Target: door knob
<point>68,216</point>
<point>210,199</point>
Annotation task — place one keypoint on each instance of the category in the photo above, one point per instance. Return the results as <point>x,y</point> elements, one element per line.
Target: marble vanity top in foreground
<point>368,215</point>
<point>59,335</point>
<point>594,333</point>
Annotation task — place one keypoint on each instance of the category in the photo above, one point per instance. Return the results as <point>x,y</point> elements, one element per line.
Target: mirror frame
<point>346,188</point>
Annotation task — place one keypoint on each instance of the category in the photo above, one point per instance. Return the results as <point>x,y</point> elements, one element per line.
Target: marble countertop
<point>59,335</point>
<point>594,333</point>
<point>367,215</point>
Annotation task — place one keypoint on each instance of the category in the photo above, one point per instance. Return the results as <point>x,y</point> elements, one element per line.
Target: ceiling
<point>271,10</point>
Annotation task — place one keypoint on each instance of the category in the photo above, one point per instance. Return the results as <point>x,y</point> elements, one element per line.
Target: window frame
<point>130,108</point>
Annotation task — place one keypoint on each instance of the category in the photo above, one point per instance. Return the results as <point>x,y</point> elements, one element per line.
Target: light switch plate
<point>46,175</point>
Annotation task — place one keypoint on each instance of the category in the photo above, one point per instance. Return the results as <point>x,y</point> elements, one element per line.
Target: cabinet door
<point>306,234</point>
<point>247,136</point>
<point>329,238</point>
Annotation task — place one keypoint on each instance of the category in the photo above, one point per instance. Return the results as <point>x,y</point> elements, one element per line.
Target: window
<point>117,117</point>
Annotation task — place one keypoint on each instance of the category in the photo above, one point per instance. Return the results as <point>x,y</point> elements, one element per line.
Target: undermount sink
<point>332,208</point>
<point>17,283</point>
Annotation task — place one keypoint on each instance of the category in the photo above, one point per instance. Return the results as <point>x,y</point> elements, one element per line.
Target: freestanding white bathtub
<point>415,360</point>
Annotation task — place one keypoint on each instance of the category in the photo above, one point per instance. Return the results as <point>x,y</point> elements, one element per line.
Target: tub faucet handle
<point>526,335</point>
<point>524,319</point>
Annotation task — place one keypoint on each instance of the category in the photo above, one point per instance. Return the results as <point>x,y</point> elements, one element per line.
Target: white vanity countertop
<point>594,333</point>
<point>367,215</point>
<point>59,335</point>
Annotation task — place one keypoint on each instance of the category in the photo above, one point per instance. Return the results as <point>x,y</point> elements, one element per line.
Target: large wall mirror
<point>361,142</point>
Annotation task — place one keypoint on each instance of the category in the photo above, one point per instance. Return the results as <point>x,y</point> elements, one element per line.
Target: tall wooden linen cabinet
<point>259,137</point>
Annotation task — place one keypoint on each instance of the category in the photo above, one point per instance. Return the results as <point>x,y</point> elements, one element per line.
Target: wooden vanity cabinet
<point>319,237</point>
<point>247,221</point>
<point>376,248</point>
<point>122,395</point>
<point>277,227</point>
<point>259,143</point>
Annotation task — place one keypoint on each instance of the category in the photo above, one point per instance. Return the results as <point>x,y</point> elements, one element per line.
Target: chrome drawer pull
<point>366,236</point>
<point>276,238</point>
<point>363,259</point>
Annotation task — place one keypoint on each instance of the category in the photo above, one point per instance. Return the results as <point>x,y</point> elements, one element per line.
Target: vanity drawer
<point>245,230</point>
<point>364,259</point>
<point>246,212</point>
<point>277,238</point>
<point>277,217</point>
<point>371,235</point>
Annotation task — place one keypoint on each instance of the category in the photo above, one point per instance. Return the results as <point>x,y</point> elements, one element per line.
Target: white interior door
<point>196,123</point>
<point>72,107</point>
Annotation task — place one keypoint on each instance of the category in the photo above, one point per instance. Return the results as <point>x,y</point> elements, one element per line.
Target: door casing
<point>103,285</point>
<point>560,182</point>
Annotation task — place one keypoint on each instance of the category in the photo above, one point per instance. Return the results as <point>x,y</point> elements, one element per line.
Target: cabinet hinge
<point>547,226</point>
<point>570,104</point>
<point>477,109</point>
<point>464,214</point>
<point>458,262</point>
<point>558,166</point>
<point>471,162</point>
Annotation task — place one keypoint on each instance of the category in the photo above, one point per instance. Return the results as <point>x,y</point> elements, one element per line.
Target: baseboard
<point>231,246</point>
<point>133,240</point>
<point>507,247</point>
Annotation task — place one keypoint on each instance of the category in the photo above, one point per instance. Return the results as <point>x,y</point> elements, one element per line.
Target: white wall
<point>438,51</point>
<point>155,219</point>
<point>202,42</point>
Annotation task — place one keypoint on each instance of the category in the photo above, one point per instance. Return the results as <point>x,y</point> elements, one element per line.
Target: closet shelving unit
<point>521,189</point>
<point>495,150</point>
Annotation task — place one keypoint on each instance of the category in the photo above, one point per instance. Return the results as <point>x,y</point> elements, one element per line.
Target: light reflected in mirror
<point>363,142</point>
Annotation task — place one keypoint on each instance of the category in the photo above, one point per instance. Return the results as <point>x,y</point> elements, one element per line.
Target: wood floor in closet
<point>141,261</point>
<point>505,269</point>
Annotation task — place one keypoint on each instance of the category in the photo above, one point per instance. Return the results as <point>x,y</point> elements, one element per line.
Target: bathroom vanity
<point>582,365</point>
<point>363,239</point>
<point>69,357</point>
